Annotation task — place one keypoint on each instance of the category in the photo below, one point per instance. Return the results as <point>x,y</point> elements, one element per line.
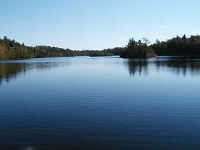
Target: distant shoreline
<point>177,46</point>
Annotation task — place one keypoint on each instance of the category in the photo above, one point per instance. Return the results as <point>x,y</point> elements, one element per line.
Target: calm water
<point>104,103</point>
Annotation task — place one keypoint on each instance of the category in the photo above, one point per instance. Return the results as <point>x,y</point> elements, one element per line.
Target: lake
<point>100,103</point>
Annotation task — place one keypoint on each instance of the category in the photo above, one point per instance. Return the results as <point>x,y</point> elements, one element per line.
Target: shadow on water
<point>176,65</point>
<point>139,66</point>
<point>180,65</point>
<point>10,71</point>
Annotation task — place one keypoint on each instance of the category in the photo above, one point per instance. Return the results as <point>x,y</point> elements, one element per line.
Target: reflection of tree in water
<point>176,65</point>
<point>180,65</point>
<point>138,66</point>
<point>46,65</point>
<point>9,71</point>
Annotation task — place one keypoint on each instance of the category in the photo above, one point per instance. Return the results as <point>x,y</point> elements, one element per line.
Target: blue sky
<point>96,24</point>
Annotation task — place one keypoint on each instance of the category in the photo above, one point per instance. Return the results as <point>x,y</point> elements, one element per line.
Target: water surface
<point>100,103</point>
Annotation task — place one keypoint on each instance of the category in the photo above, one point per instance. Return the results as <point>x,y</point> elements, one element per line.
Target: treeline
<point>138,49</point>
<point>108,52</point>
<point>10,49</point>
<point>104,52</point>
<point>178,46</point>
<point>182,46</point>
<point>48,51</point>
<point>100,53</point>
<point>116,50</point>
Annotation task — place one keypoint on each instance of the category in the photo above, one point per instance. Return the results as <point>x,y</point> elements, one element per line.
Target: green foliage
<point>178,46</point>
<point>104,52</point>
<point>115,51</point>
<point>10,49</point>
<point>100,53</point>
<point>47,51</point>
<point>138,49</point>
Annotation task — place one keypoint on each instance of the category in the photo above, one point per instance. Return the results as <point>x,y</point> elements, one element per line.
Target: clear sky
<point>96,24</point>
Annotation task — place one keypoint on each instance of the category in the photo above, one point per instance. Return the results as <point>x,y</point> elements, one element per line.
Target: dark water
<point>105,103</point>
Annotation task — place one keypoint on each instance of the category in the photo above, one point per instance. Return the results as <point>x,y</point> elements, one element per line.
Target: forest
<point>177,46</point>
<point>138,49</point>
<point>10,49</point>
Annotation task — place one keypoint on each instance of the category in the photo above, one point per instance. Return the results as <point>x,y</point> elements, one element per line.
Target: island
<point>177,46</point>
<point>138,49</point>
<point>100,53</point>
